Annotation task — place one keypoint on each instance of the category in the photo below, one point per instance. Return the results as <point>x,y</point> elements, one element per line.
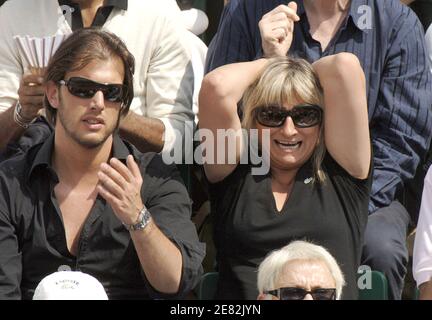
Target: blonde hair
<point>273,265</point>
<point>286,80</point>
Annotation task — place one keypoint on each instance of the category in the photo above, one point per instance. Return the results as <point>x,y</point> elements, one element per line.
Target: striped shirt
<point>388,39</point>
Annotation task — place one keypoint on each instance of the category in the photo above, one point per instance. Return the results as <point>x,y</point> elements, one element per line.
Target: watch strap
<point>143,220</point>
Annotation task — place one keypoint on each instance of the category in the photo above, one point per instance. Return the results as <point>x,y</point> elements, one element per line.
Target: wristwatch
<point>143,220</point>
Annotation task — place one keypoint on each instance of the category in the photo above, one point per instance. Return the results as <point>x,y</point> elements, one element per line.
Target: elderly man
<point>300,271</point>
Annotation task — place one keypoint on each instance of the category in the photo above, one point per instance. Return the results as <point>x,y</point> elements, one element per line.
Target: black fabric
<point>247,225</point>
<point>423,9</point>
<point>101,15</point>
<point>36,133</point>
<point>33,241</point>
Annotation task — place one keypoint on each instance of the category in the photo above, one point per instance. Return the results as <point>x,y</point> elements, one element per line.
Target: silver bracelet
<point>142,221</point>
<point>19,119</point>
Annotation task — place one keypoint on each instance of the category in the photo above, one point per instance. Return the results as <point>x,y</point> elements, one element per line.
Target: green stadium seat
<point>378,290</point>
<point>207,286</point>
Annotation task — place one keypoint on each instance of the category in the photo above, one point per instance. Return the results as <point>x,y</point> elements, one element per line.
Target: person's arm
<point>425,291</point>
<point>407,2</point>
<point>401,125</point>
<point>144,133</point>
<point>221,90</point>
<point>169,91</point>
<point>161,260</point>
<point>346,126</point>
<point>422,254</point>
<point>13,86</point>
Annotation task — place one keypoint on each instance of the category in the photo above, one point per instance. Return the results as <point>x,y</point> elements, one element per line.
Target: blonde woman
<point>312,121</point>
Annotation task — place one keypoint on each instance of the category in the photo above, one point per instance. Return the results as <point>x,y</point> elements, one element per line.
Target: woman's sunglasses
<point>85,88</point>
<point>303,116</point>
<point>299,293</point>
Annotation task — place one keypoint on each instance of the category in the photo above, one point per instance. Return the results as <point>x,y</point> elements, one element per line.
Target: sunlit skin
<point>90,122</point>
<point>288,158</point>
<point>306,274</point>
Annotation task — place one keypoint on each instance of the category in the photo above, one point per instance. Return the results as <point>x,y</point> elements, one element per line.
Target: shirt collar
<point>44,155</point>
<point>356,12</point>
<point>120,4</point>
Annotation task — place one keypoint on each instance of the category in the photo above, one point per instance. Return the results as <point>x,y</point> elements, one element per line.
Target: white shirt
<point>163,80</point>
<point>422,259</point>
<point>429,44</point>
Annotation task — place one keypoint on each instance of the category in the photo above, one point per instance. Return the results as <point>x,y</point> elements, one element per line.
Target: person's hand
<point>31,94</point>
<point>276,29</point>
<point>120,186</point>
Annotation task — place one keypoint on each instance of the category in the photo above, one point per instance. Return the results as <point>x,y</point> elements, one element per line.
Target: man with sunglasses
<point>399,83</point>
<point>300,271</point>
<point>86,200</point>
<point>162,107</point>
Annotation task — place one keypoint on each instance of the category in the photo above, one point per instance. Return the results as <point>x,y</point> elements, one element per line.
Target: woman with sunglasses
<point>312,122</point>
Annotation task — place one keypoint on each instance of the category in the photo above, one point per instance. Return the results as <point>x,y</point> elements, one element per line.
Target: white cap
<point>69,285</point>
<point>195,20</point>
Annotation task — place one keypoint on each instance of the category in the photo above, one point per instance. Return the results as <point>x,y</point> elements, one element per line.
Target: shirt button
<point>64,267</point>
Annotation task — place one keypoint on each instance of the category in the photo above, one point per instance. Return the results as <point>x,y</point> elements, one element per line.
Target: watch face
<point>144,219</point>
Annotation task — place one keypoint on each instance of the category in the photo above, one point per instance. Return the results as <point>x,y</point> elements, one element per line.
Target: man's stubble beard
<point>88,144</point>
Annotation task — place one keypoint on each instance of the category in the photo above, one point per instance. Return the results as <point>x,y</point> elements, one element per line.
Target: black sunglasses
<point>299,293</point>
<point>303,116</point>
<point>85,88</point>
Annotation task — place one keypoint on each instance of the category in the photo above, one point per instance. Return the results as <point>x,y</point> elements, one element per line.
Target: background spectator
<point>298,267</point>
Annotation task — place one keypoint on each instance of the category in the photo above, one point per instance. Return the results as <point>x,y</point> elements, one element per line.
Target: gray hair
<point>270,269</point>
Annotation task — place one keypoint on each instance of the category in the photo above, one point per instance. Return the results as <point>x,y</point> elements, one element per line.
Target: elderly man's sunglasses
<point>303,116</point>
<point>86,89</point>
<point>299,293</point>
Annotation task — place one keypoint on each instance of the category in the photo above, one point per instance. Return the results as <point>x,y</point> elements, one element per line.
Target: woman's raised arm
<point>221,90</point>
<point>346,123</point>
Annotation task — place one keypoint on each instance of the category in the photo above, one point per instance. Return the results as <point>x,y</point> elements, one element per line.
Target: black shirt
<point>247,225</point>
<point>32,235</point>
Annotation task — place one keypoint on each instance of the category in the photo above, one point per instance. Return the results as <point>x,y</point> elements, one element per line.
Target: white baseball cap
<point>69,285</point>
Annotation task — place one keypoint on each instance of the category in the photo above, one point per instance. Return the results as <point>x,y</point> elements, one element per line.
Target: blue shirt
<point>388,39</point>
